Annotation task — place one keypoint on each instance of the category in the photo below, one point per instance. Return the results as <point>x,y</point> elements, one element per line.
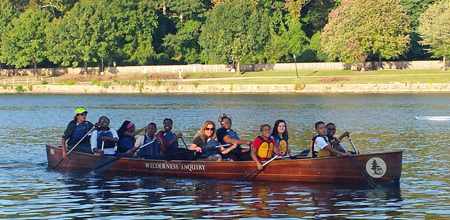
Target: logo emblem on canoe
<point>376,167</point>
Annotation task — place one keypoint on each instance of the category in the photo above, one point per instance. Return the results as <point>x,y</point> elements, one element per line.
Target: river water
<point>377,123</point>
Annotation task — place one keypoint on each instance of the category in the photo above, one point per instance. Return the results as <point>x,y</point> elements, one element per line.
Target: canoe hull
<point>382,167</point>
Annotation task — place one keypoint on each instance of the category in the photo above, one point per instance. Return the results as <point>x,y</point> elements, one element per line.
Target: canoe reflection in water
<point>168,198</point>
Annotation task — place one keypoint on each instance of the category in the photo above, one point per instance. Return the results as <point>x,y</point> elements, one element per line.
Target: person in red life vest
<point>169,139</point>
<point>320,146</point>
<point>264,146</point>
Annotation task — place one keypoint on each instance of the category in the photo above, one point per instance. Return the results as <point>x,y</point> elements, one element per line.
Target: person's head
<point>80,115</point>
<point>280,129</point>
<point>320,128</point>
<point>167,123</point>
<point>103,122</point>
<point>225,121</point>
<point>208,129</point>
<point>151,129</point>
<point>265,130</point>
<point>126,126</point>
<point>331,129</point>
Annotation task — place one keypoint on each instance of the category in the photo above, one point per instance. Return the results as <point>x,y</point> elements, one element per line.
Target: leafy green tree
<point>189,16</point>
<point>87,33</point>
<point>434,29</point>
<point>414,9</point>
<point>360,28</point>
<point>241,39</point>
<point>23,42</point>
<point>6,15</point>
<point>136,23</point>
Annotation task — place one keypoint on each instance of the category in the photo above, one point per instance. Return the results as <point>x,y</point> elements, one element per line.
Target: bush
<point>44,82</point>
<point>30,88</point>
<point>106,85</point>
<point>95,82</point>
<point>20,89</point>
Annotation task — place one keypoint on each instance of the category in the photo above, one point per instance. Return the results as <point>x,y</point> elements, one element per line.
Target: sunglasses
<point>209,129</point>
<point>82,114</point>
<point>331,129</point>
<point>225,122</point>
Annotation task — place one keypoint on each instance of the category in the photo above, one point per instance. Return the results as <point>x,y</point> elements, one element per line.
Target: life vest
<point>125,143</point>
<point>168,137</point>
<point>108,144</point>
<point>281,143</point>
<point>317,152</point>
<point>151,150</point>
<point>210,148</point>
<point>265,150</point>
<point>80,130</point>
<point>329,141</point>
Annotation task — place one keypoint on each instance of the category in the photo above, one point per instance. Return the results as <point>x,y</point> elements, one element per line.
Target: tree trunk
<point>443,66</point>
<point>35,69</point>
<point>363,66</point>
<point>238,69</point>
<point>85,67</point>
<point>379,60</point>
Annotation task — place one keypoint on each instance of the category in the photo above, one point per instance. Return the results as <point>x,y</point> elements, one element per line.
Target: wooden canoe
<point>381,167</point>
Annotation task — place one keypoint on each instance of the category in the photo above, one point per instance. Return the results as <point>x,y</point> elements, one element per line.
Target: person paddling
<point>335,142</point>
<point>126,134</point>
<point>281,136</point>
<point>320,147</point>
<point>153,149</point>
<point>264,147</point>
<point>225,135</point>
<point>77,131</point>
<point>104,139</point>
<point>169,139</point>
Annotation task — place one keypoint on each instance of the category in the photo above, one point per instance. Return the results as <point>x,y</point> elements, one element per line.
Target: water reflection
<point>376,123</point>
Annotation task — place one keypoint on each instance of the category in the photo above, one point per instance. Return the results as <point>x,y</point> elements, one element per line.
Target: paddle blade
<point>104,164</point>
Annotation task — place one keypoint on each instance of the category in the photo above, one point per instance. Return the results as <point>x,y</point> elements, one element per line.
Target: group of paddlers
<point>209,144</point>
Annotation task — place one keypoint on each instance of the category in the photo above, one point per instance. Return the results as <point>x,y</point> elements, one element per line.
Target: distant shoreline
<point>235,89</point>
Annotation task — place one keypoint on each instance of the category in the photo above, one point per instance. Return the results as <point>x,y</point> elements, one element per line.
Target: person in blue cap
<point>76,133</point>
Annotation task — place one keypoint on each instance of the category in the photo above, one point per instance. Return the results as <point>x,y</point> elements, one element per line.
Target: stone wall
<point>192,68</point>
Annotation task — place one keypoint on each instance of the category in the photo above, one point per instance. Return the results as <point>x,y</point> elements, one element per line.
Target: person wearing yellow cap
<point>76,133</point>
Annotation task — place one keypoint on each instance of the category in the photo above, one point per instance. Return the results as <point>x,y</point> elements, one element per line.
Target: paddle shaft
<point>106,163</point>
<point>245,177</point>
<point>371,182</point>
<point>351,142</point>
<point>67,154</point>
<point>184,142</point>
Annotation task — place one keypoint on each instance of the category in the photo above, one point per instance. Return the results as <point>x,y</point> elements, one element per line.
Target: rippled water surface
<point>377,123</point>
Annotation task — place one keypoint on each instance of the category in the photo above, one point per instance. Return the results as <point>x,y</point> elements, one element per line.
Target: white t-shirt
<point>94,142</point>
<point>319,144</point>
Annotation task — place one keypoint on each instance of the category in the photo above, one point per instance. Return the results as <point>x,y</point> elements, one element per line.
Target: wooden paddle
<point>371,182</point>
<point>104,164</point>
<point>245,177</point>
<point>74,146</point>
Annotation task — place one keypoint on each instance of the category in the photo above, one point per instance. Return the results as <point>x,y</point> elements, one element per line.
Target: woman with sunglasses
<point>77,131</point>
<point>205,143</point>
<point>225,135</point>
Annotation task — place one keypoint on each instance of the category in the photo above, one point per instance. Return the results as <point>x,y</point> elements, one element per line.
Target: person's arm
<point>114,138</point>
<point>167,144</point>
<point>132,134</point>
<point>139,142</point>
<point>227,150</point>
<point>161,146</point>
<point>255,158</point>
<point>196,144</point>
<point>332,150</point>
<point>345,134</point>
<point>63,146</point>
<point>227,139</point>
<point>94,143</point>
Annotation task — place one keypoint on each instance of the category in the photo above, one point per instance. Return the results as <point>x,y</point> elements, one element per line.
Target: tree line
<point>50,33</point>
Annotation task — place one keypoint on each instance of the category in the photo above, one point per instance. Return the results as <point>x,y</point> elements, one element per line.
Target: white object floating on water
<point>433,118</point>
